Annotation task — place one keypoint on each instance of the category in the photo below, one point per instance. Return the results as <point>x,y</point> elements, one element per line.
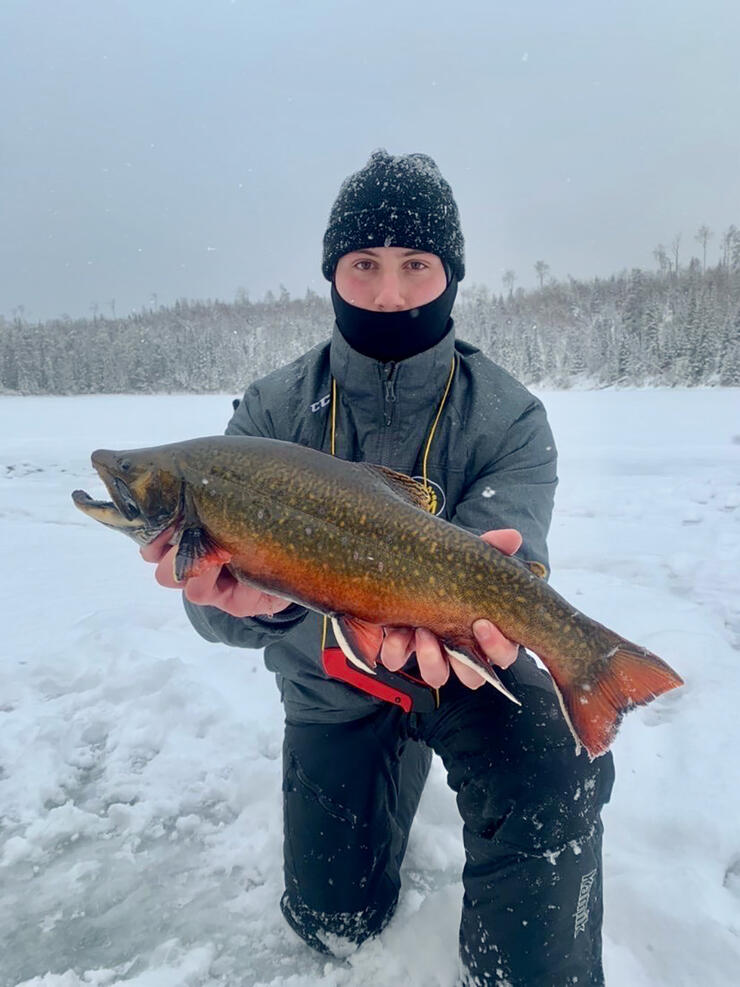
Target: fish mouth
<point>109,514</point>
<point>122,512</point>
<point>123,501</point>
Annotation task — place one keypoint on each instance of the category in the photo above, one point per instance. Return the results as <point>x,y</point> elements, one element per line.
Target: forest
<point>672,326</point>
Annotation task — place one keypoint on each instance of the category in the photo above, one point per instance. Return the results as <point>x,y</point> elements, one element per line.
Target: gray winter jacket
<point>492,459</point>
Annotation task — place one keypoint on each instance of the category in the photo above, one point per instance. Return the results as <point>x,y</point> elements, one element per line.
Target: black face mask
<point>387,336</point>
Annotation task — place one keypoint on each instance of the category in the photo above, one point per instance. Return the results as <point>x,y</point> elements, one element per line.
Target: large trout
<point>357,542</point>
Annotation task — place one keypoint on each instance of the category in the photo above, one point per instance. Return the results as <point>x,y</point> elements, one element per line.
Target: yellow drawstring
<point>333,415</point>
<point>325,623</point>
<point>430,493</point>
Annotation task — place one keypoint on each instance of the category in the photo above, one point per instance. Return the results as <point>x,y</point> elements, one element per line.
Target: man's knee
<point>337,933</point>
<point>545,803</point>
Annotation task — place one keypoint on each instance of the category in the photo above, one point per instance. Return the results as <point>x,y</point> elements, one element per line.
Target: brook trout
<point>357,542</point>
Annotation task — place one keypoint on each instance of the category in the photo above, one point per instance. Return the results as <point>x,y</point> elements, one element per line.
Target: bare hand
<point>434,667</point>
<point>216,587</point>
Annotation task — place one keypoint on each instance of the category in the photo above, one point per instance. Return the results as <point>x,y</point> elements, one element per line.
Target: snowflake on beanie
<point>395,201</point>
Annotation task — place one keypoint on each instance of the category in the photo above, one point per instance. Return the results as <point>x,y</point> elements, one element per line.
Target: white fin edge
<point>488,674</point>
<point>347,651</point>
<point>566,716</point>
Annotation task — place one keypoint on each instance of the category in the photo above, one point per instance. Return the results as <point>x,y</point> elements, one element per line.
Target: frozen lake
<point>140,826</point>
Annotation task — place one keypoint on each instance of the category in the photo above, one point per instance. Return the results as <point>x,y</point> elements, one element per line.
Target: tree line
<point>671,326</point>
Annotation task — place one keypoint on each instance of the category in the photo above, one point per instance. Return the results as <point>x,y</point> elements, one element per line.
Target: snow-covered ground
<point>140,830</point>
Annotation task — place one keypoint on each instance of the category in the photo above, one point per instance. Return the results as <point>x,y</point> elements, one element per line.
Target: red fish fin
<point>632,676</point>
<point>197,552</point>
<point>359,640</point>
<point>469,653</point>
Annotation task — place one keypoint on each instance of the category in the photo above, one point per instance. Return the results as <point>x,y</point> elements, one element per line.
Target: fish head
<point>146,493</point>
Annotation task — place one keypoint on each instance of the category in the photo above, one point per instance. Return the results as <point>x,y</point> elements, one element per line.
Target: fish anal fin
<point>196,553</point>
<point>631,676</point>
<point>469,653</point>
<point>359,640</point>
<point>407,488</point>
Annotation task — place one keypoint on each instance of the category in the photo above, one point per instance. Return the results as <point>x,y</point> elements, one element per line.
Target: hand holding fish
<point>215,587</point>
<point>399,643</point>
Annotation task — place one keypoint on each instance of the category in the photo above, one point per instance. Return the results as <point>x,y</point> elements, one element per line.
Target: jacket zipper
<point>390,392</point>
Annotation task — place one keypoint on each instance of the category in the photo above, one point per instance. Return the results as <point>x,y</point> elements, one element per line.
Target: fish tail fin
<point>630,676</point>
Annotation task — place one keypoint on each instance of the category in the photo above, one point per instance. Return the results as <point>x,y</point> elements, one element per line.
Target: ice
<point>140,783</point>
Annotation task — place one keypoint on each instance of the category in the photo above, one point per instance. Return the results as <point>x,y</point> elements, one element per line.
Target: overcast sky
<point>190,148</point>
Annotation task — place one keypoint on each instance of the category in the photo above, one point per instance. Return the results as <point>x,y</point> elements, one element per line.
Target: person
<point>393,386</point>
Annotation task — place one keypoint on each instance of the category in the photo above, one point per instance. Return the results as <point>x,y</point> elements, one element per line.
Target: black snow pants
<point>532,906</point>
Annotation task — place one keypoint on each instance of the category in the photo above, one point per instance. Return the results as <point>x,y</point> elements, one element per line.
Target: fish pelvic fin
<point>359,640</point>
<point>631,676</point>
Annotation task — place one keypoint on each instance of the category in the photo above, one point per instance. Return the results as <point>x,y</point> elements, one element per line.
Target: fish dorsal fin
<point>538,569</point>
<point>410,490</point>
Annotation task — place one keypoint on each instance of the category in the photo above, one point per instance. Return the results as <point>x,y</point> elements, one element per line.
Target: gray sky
<point>189,148</point>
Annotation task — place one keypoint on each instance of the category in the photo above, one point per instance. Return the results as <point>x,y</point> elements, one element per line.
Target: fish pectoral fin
<point>359,640</point>
<point>407,488</point>
<point>197,552</point>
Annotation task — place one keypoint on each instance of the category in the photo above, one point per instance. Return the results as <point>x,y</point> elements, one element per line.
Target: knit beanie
<point>395,201</point>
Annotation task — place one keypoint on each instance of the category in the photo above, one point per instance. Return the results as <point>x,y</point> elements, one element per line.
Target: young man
<point>394,387</point>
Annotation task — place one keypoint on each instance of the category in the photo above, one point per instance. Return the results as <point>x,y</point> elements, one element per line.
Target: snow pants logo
<point>584,894</point>
<point>321,403</point>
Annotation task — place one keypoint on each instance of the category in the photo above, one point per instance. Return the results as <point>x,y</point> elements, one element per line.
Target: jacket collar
<point>421,377</point>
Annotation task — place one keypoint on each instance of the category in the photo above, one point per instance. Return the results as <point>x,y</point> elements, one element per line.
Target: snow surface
<point>140,828</point>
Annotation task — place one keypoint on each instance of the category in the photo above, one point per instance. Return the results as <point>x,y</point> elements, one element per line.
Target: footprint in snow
<point>665,708</point>
<point>731,879</point>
